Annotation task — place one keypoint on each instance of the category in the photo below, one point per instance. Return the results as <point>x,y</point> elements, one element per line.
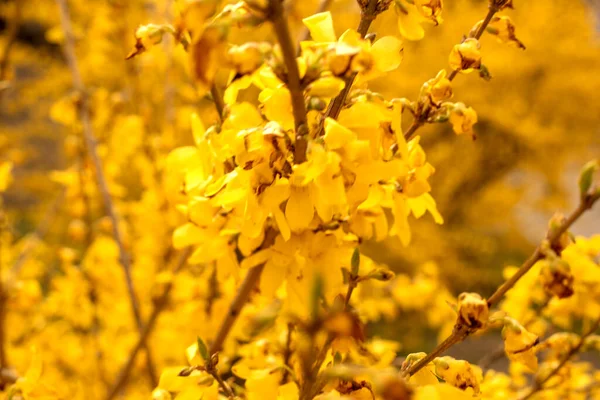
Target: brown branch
<point>367,16</point>
<point>90,140</point>
<point>159,305</point>
<point>217,97</point>
<point>282,31</point>
<point>11,39</point>
<point>461,331</point>
<point>539,384</point>
<point>287,353</point>
<point>412,129</point>
<point>242,296</point>
<point>313,384</point>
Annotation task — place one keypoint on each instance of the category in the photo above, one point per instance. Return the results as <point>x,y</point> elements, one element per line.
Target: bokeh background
<point>539,121</point>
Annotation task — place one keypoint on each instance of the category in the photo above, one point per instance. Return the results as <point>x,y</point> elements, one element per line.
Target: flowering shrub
<point>244,250</point>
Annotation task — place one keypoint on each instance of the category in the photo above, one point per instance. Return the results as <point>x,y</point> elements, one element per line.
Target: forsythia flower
<point>462,119</point>
<point>465,57</point>
<point>519,343</point>
<point>503,28</point>
<point>458,373</point>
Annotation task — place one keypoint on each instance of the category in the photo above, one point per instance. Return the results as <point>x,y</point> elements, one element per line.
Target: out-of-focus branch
<point>159,305</point>
<point>241,298</point>
<point>539,384</point>
<point>461,330</point>
<point>11,38</point>
<point>90,140</point>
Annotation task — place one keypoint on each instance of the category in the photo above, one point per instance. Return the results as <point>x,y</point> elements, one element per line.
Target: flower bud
<point>557,278</point>
<point>438,89</point>
<point>519,343</point>
<point>462,119</point>
<point>472,310</point>
<point>465,57</point>
<point>503,28</point>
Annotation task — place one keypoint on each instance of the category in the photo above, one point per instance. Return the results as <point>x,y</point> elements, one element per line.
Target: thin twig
<point>242,296</point>
<point>287,353</point>
<point>313,384</point>
<point>539,384</point>
<point>461,331</point>
<point>224,385</point>
<point>282,31</point>
<point>217,97</point>
<point>159,305</point>
<point>412,129</point>
<point>367,16</point>
<point>90,140</point>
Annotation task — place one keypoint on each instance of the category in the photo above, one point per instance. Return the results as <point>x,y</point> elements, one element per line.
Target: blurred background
<point>539,121</point>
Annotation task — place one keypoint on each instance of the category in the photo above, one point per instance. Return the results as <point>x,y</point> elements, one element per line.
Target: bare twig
<point>282,31</point>
<point>90,140</point>
<point>217,97</point>
<point>367,16</point>
<point>242,296</point>
<point>539,384</point>
<point>461,331</point>
<point>287,353</point>
<point>159,305</point>
<point>313,384</point>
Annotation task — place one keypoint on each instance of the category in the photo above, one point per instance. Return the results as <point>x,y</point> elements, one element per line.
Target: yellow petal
<point>299,210</point>
<point>320,27</point>
<point>409,22</point>
<point>337,135</point>
<point>388,53</point>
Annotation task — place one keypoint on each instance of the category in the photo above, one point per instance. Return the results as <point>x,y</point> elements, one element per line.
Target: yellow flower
<point>465,57</point>
<point>458,373</point>
<point>147,36</point>
<point>519,343</point>
<point>320,27</point>
<point>503,28</point>
<point>439,89</point>
<point>430,9</point>
<point>409,20</point>
<point>462,119</point>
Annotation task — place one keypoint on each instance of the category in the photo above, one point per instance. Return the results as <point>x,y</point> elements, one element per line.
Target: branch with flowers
<point>252,241</point>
